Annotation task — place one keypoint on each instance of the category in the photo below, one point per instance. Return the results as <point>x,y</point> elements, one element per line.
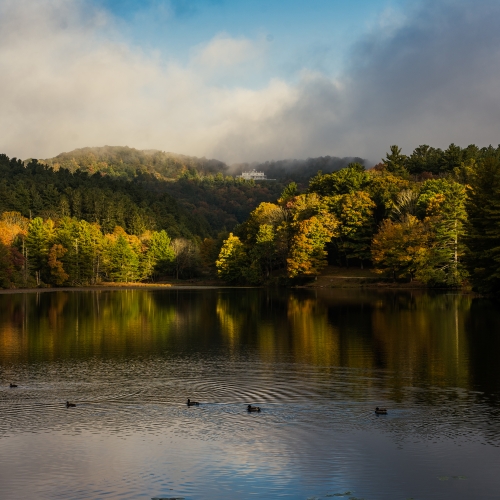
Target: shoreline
<point>339,285</point>
<point>110,288</point>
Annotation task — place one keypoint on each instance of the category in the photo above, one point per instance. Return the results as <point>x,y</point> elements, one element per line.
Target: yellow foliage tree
<point>401,248</point>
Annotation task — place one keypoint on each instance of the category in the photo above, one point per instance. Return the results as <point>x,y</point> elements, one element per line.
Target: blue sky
<point>314,34</point>
<point>245,81</point>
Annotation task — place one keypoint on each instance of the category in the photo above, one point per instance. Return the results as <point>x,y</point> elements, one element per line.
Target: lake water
<point>317,362</point>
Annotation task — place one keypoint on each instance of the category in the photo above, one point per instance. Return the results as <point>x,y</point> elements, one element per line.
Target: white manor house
<point>254,175</point>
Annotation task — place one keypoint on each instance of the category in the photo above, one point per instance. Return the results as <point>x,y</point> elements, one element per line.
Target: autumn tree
<point>355,215</point>
<point>312,226</point>
<point>232,260</point>
<point>56,267</point>
<point>400,248</point>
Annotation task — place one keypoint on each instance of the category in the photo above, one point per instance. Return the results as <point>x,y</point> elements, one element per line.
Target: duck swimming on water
<point>381,411</point>
<point>13,385</point>
<point>253,408</point>
<point>192,403</point>
<point>70,405</point>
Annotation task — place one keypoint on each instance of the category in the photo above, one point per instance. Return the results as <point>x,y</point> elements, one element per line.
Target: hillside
<point>203,196</point>
<point>122,161</point>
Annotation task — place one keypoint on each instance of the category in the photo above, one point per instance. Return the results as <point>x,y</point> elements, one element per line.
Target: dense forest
<point>119,214</point>
<point>431,216</point>
<point>131,194</point>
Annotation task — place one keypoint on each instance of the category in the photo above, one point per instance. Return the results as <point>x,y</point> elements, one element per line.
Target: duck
<point>192,403</point>
<point>13,385</point>
<point>70,405</point>
<point>253,408</point>
<point>381,411</point>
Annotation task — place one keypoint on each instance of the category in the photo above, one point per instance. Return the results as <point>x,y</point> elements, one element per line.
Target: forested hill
<point>151,189</point>
<point>122,161</point>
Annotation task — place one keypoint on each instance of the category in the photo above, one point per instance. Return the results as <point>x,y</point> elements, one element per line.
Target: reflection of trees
<point>483,334</point>
<point>47,326</point>
<point>417,337</point>
<point>422,339</point>
<point>315,340</point>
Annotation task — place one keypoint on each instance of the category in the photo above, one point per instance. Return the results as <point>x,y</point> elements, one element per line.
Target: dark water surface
<point>316,362</point>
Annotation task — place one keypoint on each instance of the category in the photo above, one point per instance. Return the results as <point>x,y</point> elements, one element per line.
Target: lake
<point>317,363</point>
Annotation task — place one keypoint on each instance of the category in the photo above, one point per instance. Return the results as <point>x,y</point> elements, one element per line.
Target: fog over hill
<point>128,162</point>
<point>123,161</point>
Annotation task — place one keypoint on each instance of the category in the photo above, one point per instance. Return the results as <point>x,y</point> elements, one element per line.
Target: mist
<point>70,79</point>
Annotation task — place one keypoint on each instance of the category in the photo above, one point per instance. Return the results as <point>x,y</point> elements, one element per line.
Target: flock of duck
<point>250,408</point>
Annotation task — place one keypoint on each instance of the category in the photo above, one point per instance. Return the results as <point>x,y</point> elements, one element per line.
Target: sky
<point>245,81</point>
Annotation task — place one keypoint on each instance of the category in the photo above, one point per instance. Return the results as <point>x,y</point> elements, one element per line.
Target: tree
<point>400,248</point>
<point>121,261</point>
<point>38,242</point>
<point>289,192</point>
<point>442,203</point>
<point>56,267</point>
<point>160,255</point>
<point>187,257</point>
<point>263,254</point>
<point>12,225</point>
<point>356,225</point>
<point>395,162</point>
<point>405,204</point>
<point>347,180</point>
<point>383,188</point>
<point>312,226</point>
<point>91,246</point>
<point>6,267</point>
<point>483,226</point>
<point>307,252</point>
<point>232,260</point>
<point>424,159</point>
<point>451,158</point>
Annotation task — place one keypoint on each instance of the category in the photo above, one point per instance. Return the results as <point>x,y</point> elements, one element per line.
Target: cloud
<point>225,51</point>
<point>70,80</point>
<point>432,78</point>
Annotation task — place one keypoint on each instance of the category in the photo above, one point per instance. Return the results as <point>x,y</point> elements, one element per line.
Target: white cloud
<point>68,82</point>
<point>224,51</point>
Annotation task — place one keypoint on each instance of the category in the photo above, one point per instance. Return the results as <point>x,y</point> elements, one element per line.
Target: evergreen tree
<point>483,226</point>
<point>122,262</point>
<point>38,242</point>
<point>395,162</point>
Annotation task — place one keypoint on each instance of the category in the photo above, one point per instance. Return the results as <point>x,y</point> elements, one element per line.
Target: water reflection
<point>317,361</point>
<point>418,338</point>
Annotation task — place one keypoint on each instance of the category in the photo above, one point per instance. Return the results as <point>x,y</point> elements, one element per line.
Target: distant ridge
<point>123,161</point>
